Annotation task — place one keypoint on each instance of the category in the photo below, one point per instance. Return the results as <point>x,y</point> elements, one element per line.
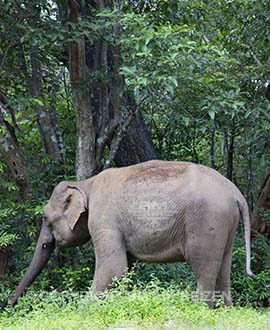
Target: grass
<point>150,308</point>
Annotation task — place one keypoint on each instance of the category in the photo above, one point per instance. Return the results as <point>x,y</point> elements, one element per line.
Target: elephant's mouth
<point>61,243</point>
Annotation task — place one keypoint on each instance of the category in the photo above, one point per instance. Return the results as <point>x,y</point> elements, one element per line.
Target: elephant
<point>157,211</point>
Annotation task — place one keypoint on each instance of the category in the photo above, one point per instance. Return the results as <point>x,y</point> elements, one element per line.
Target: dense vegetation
<point>192,73</point>
<point>152,308</point>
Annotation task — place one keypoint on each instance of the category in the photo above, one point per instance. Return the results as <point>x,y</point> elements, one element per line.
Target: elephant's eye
<point>48,245</point>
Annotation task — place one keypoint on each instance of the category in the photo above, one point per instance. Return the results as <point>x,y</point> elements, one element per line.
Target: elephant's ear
<point>76,204</point>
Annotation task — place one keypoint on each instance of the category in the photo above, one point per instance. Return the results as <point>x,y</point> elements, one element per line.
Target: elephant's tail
<point>243,208</point>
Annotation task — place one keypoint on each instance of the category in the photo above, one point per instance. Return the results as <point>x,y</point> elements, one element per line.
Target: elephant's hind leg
<point>206,275</point>
<point>111,260</point>
<point>223,284</point>
<point>205,262</point>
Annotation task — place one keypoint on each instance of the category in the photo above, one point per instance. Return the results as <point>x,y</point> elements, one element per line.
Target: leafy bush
<point>76,279</point>
<point>165,275</point>
<point>154,307</point>
<point>246,290</point>
<point>7,239</point>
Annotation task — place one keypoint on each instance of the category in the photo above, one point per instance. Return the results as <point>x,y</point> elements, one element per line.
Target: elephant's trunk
<point>44,249</point>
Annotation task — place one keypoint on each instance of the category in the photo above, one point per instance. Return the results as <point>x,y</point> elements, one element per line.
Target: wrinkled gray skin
<point>155,211</point>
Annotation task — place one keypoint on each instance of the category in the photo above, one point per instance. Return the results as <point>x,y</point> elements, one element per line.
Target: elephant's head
<point>66,214</point>
<point>64,224</point>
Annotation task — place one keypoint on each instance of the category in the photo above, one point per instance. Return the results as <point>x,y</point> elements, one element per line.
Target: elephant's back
<point>162,176</point>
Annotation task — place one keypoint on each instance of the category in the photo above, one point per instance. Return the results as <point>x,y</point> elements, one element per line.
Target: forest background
<point>86,85</point>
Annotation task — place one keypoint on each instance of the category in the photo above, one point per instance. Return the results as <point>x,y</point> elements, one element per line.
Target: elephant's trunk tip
<point>13,301</point>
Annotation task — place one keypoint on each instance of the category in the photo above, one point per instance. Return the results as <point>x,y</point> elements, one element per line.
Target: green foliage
<point>151,308</point>
<point>7,239</point>
<point>76,279</point>
<point>178,274</point>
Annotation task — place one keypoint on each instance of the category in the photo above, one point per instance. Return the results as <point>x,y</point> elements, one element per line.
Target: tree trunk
<point>212,148</point>
<point>12,155</point>
<point>11,152</point>
<point>49,139</point>
<point>4,254</point>
<point>104,116</point>
<point>230,152</point>
<point>250,174</point>
<point>53,117</point>
<point>136,145</point>
<point>86,134</point>
<point>47,133</point>
<point>261,212</point>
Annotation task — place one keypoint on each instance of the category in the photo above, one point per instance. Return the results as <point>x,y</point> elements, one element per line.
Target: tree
<point>261,212</point>
<point>103,111</point>
<point>23,56</point>
<point>11,150</point>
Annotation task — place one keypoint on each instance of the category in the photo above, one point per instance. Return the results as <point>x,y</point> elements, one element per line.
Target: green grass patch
<point>150,308</point>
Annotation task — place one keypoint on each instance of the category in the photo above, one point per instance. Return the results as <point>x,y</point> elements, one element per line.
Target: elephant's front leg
<point>111,259</point>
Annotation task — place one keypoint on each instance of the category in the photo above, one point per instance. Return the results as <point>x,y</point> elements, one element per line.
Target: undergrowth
<point>151,307</point>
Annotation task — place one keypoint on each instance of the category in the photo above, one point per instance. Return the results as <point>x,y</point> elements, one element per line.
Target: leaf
<point>212,114</point>
<point>186,121</point>
<point>37,101</point>
<point>174,81</point>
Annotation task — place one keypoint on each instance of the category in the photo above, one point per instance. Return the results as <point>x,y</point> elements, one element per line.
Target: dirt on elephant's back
<point>156,171</point>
